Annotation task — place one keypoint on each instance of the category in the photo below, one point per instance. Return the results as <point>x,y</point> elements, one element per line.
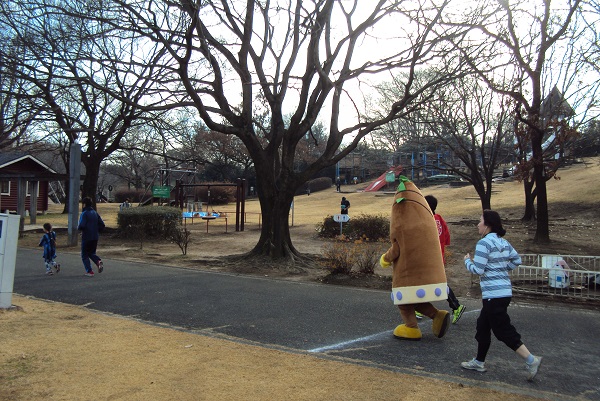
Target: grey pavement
<point>342,323</point>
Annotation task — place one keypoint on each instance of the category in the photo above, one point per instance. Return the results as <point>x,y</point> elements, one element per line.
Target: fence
<point>547,275</point>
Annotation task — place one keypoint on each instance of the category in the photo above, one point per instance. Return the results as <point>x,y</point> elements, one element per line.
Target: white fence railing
<point>558,275</point>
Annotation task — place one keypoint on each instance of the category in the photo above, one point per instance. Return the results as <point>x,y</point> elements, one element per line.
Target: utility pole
<point>74,184</point>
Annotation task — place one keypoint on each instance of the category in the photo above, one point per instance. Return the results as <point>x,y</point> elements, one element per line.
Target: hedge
<point>318,184</point>
<point>218,195</point>
<point>364,226</point>
<point>134,195</point>
<point>149,221</point>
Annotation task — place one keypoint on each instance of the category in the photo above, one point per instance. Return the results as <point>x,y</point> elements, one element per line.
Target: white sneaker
<point>474,365</point>
<point>532,368</point>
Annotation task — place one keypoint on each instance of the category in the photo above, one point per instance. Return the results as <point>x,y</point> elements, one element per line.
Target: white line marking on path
<point>367,338</point>
<point>345,343</point>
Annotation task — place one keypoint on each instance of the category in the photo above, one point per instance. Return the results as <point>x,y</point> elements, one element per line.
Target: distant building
<point>555,106</point>
<point>22,168</point>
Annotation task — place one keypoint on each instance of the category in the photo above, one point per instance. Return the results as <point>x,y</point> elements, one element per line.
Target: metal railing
<point>541,274</point>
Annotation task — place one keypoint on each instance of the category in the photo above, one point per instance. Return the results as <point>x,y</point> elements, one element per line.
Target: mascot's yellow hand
<point>385,264</point>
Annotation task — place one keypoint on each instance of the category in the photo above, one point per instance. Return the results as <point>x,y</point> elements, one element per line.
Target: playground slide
<point>377,184</point>
<point>380,182</point>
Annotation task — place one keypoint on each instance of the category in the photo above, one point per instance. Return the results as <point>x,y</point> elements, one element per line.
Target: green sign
<point>161,192</point>
<point>390,176</point>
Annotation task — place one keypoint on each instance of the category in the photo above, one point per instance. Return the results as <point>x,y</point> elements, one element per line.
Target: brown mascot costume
<point>418,269</point>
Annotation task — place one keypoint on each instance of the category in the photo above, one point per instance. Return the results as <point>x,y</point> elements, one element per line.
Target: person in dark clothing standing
<point>444,234</point>
<point>90,225</point>
<point>345,205</point>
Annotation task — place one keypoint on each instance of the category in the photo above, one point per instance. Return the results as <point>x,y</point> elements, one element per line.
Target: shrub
<point>362,227</point>
<point>318,184</point>
<point>369,227</point>
<point>181,237</point>
<point>134,195</point>
<point>343,256</point>
<point>149,222</point>
<point>339,257</point>
<point>328,228</point>
<point>368,256</point>
<point>218,195</point>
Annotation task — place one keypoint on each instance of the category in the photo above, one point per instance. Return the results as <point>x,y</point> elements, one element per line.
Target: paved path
<point>330,322</point>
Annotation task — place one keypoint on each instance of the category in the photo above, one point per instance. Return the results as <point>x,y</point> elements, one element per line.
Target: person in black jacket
<point>90,225</point>
<point>344,205</point>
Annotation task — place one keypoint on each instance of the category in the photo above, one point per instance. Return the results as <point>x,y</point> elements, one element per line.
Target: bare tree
<point>90,84</point>
<point>224,157</point>
<point>396,134</point>
<point>17,104</point>
<point>236,60</point>
<point>514,50</point>
<point>474,123</point>
<point>134,162</point>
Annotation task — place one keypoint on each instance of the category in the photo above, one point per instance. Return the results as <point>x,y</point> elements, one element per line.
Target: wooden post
<point>238,196</point>
<point>33,199</point>
<point>243,205</point>
<point>21,195</point>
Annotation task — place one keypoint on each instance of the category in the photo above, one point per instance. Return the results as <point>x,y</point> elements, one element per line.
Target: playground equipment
<point>381,181</point>
<point>240,203</point>
<point>163,176</point>
<point>206,216</point>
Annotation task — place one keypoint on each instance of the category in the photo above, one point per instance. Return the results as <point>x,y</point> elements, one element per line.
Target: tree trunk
<point>275,240</point>
<point>67,185</point>
<point>529,214</point>
<point>65,155</point>
<point>90,183</point>
<point>276,188</point>
<point>542,232</point>
<point>484,196</point>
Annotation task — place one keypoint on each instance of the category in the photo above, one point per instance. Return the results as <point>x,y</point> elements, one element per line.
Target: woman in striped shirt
<point>494,258</point>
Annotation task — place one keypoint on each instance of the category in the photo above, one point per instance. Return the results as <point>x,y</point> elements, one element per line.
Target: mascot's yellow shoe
<point>407,333</point>
<point>441,322</point>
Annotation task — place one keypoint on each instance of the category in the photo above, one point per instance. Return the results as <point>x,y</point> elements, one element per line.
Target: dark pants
<point>452,301</point>
<point>88,251</point>
<point>494,318</point>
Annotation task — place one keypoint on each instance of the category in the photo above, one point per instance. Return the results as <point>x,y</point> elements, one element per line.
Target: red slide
<point>380,182</point>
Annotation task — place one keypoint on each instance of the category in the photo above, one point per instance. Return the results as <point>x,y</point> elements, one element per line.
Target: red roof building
<point>33,175</point>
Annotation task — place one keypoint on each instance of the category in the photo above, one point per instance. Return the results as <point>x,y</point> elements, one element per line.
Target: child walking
<point>48,241</point>
<point>444,234</point>
<point>494,258</point>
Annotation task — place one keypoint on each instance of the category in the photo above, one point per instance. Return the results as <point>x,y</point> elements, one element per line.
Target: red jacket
<point>443,232</point>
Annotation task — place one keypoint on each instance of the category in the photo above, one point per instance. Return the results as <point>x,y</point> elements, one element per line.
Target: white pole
<point>9,237</point>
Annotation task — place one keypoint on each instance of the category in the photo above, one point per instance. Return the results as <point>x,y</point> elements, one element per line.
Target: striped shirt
<point>494,258</point>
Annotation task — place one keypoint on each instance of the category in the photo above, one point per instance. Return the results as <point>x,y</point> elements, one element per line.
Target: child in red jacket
<point>444,233</point>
